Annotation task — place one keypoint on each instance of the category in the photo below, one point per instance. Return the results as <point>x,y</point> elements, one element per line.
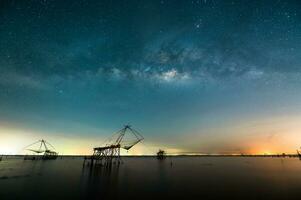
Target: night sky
<point>192,76</point>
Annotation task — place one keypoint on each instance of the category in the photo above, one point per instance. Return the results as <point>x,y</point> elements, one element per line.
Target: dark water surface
<point>149,178</point>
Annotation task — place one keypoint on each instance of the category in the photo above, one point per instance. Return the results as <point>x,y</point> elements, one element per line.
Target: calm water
<point>145,178</point>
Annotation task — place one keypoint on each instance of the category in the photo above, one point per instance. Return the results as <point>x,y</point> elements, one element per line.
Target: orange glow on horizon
<point>270,136</point>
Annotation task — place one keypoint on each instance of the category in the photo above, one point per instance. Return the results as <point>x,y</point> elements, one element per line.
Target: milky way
<point>177,70</point>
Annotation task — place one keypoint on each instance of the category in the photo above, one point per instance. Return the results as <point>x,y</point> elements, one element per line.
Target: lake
<point>146,177</point>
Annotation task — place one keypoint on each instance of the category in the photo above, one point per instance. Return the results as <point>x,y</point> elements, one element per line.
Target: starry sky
<point>207,76</point>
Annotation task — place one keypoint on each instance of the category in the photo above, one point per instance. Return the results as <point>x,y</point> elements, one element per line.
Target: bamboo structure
<point>111,151</point>
<point>44,151</point>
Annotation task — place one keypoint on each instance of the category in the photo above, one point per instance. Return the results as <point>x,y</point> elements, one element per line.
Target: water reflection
<point>99,181</point>
<point>163,177</point>
<point>186,178</point>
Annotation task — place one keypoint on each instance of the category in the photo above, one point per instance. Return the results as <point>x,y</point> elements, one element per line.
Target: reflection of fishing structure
<point>45,151</point>
<point>99,181</point>
<point>125,138</point>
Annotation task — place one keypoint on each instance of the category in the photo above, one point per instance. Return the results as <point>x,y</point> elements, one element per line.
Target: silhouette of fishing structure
<point>44,152</point>
<point>125,138</point>
<point>299,153</point>
<point>161,154</point>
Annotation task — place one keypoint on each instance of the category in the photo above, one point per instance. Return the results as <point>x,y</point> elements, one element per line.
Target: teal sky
<point>191,76</point>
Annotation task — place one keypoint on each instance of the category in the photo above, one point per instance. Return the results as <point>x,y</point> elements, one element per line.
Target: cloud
<point>21,80</point>
<point>254,74</point>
